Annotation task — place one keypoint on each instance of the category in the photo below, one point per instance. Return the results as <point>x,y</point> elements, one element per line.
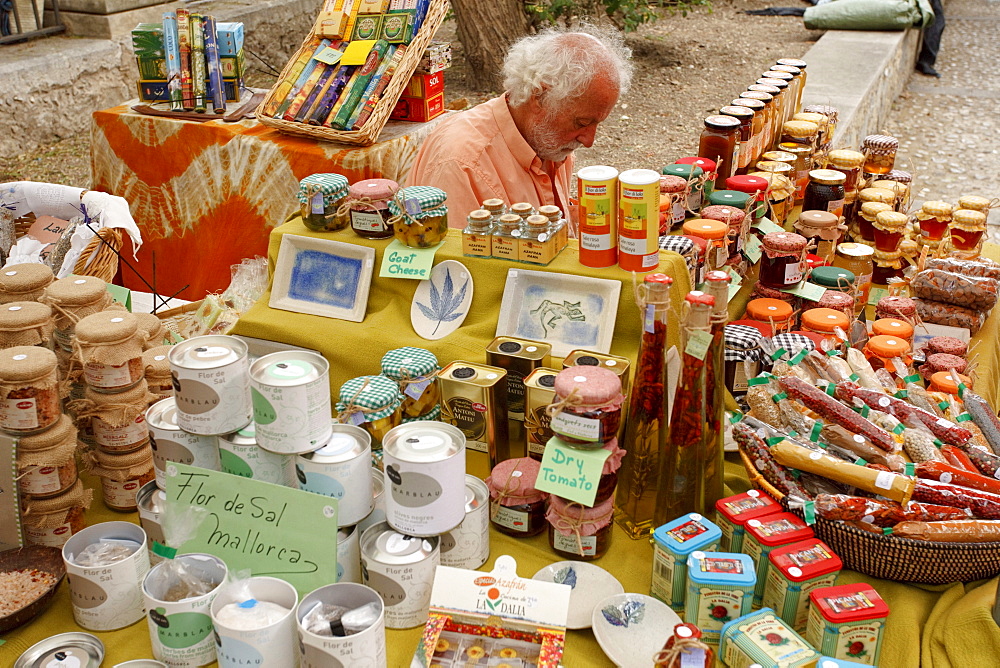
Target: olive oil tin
<point>620,365</point>
<point>170,443</point>
<point>211,384</point>
<point>672,543</point>
<point>291,401</point>
<point>468,545</point>
<point>762,638</point>
<point>240,455</point>
<point>795,571</point>
<point>539,393</point>
<point>339,469</point>
<point>474,399</point>
<point>151,501</point>
<point>65,649</point>
<point>424,478</point>
<point>365,648</point>
<point>401,569</point>
<point>349,554</point>
<point>518,357</point>
<point>720,589</point>
<point>847,622</point>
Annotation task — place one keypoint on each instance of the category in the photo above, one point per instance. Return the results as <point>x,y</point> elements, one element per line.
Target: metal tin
<point>107,597</point>
<point>518,357</point>
<point>762,638</point>
<point>240,455</point>
<point>181,631</point>
<point>539,393</point>
<point>401,569</point>
<point>349,554</point>
<point>151,500</point>
<point>291,401</point>
<point>211,384</point>
<point>339,470</point>
<point>141,663</point>
<point>672,543</point>
<point>620,365</point>
<point>171,443</point>
<point>719,588</point>
<point>365,648</point>
<point>378,493</point>
<point>425,474</point>
<point>733,512</point>
<point>468,545</point>
<point>272,645</point>
<point>59,650</point>
<point>795,571</point>
<point>474,399</point>
<point>847,622</point>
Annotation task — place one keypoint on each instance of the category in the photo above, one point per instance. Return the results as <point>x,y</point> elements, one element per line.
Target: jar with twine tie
<point>29,390</point>
<point>118,420</point>
<point>156,332</point>
<point>419,216</point>
<point>577,532</point>
<point>587,406</point>
<point>26,324</point>
<point>46,461</point>
<point>321,196</point>
<point>516,507</point>
<point>109,347</point>
<point>372,403</point>
<point>55,520</point>
<point>415,371</point>
<point>72,299</point>
<point>367,205</point>
<point>121,475</point>
<point>23,282</point>
<point>157,369</point>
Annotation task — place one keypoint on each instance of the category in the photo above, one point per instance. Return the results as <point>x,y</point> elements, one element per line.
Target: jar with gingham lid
<point>880,153</point>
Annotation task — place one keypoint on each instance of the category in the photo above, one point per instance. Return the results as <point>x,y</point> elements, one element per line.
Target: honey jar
<point>825,191</point>
<point>867,214</point>
<point>821,228</point>
<point>889,226</point>
<point>967,228</point>
<point>880,153</point>
<point>887,265</point>
<point>849,163</point>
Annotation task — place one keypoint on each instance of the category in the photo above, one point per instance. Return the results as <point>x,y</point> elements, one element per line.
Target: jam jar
<point>587,406</point>
<point>783,260</point>
<point>775,166</point>
<point>832,117</point>
<point>880,153</point>
<point>881,349</point>
<point>775,313</point>
<point>834,278</point>
<point>866,216</point>
<point>46,461</point>
<point>942,381</point>
<point>901,190</point>
<point>894,327</point>
<point>715,233</point>
<point>673,201</point>
<point>780,196</point>
<point>372,403</point>
<point>708,168</point>
<point>942,362</point>
<point>692,181</point>
<point>821,228</point>
<point>757,126</point>
<point>415,371</point>
<point>803,133</point>
<point>516,507</point>
<point>838,301</point>
<point>369,207</point>
<point>579,533</point>
<point>967,228</point>
<point>826,322</point>
<point>720,143</point>
<point>424,223</point>
<point>976,203</point>
<point>825,191</point>
<point>902,308</point>
<point>849,163</point>
<point>742,357</point>
<point>735,220</point>
<point>754,186</point>
<point>890,226</point>
<point>609,473</point>
<point>321,196</point>
<point>887,265</point>
<point>26,324</point>
<point>24,282</point>
<point>745,115</point>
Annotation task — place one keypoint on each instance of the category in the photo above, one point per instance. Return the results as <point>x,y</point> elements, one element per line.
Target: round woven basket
<point>893,558</point>
<point>100,257</point>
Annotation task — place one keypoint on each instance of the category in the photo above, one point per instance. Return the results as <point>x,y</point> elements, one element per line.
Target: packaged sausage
<point>952,474</point>
<point>954,531</point>
<point>984,417</point>
<point>940,313</point>
<point>837,436</point>
<point>829,408</point>
<point>979,294</point>
<point>882,513</point>
<point>756,450</point>
<point>983,505</point>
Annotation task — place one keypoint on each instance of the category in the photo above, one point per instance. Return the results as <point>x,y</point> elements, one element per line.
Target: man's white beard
<point>545,142</point>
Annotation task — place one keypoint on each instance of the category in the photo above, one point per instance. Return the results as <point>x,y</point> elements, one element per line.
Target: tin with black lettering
<point>171,443</point>
<point>620,365</point>
<point>240,455</point>
<point>339,469</point>
<point>468,545</point>
<point>518,357</point>
<point>211,384</point>
<point>474,399</point>
<point>151,502</point>
<point>401,569</point>
<point>539,393</point>
<point>291,401</point>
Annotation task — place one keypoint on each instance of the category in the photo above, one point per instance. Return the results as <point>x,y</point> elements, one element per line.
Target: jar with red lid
<point>754,186</point>
<point>887,265</point>
<point>934,218</point>
<point>881,349</point>
<point>894,327</point>
<point>587,406</point>
<point>821,228</point>
<point>942,381</point>
<point>720,143</point>
<point>813,261</point>
<point>830,324</point>
<point>700,258</point>
<point>783,260</point>
<point>673,199</point>
<point>825,191</point>
<point>516,507</point>
<point>902,308</point>
<point>967,228</point>
<point>880,153</point>
<point>735,220</point>
<point>889,226</point>
<point>849,163</point>
<point>577,532</point>
<point>708,168</point>
<point>778,315</point>
<point>866,216</point>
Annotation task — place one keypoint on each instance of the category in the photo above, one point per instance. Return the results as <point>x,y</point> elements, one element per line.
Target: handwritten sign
<point>400,261</point>
<point>571,473</point>
<point>698,344</point>
<point>356,52</point>
<point>269,529</point>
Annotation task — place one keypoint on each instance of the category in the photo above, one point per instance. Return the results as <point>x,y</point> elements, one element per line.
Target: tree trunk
<point>486,28</point>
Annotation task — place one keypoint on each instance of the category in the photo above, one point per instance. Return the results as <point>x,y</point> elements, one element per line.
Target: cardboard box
<point>230,38</point>
<point>156,91</point>
<point>147,40</point>
<point>373,6</point>
<point>418,109</point>
<point>397,27</point>
<point>233,67</point>
<point>367,26</point>
<point>425,85</point>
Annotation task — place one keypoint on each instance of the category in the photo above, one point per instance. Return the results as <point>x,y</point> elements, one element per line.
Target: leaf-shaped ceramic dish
<point>591,584</point>
<point>441,303</point>
<point>631,628</point>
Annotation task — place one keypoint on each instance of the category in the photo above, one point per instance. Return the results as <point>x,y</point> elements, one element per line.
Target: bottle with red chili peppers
<point>783,260</point>
<point>516,507</point>
<point>720,142</point>
<point>717,286</point>
<point>588,405</point>
<point>646,426</point>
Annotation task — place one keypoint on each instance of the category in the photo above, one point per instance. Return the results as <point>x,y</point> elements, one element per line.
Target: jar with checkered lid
<point>419,216</point>
<point>890,226</point>
<point>415,371</point>
<point>742,357</point>
<point>967,228</point>
<point>321,196</point>
<point>372,403</point>
<point>880,153</point>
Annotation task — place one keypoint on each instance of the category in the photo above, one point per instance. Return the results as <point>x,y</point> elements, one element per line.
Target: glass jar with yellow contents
<point>934,218</point>
<point>880,153</point>
<point>372,403</point>
<point>890,226</point>
<point>848,162</point>
<point>780,194</point>
<point>901,190</point>
<point>415,371</point>
<point>321,197</point>
<point>866,216</point>
<point>967,228</point>
<point>419,216</point>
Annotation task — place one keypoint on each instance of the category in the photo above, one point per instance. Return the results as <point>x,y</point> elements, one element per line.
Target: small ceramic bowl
<point>631,628</point>
<point>36,557</point>
<point>591,584</point>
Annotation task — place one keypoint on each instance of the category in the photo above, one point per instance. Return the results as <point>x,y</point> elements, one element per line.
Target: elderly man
<point>519,147</point>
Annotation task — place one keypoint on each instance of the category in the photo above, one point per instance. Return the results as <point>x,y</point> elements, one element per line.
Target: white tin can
<point>401,569</point>
<point>211,384</point>
<point>349,555</point>
<point>291,401</point>
<point>150,501</point>
<point>238,645</point>
<point>107,597</point>
<point>365,649</point>
<point>170,443</point>
<point>240,455</point>
<point>424,466</point>
<point>339,469</point>
<point>378,510</point>
<point>468,545</point>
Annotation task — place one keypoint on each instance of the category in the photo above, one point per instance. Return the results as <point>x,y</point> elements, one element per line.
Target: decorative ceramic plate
<point>591,584</point>
<point>631,628</point>
<point>441,303</point>
<point>31,557</point>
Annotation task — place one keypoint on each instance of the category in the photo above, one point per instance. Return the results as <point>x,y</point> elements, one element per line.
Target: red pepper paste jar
<point>587,408</point>
<point>754,186</point>
<point>903,308</point>
<point>783,261</point>
<point>577,532</point>
<point>778,315</point>
<point>735,219</point>
<point>516,507</point>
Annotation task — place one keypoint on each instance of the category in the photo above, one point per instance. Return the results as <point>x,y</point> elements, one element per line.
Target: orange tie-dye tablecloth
<point>206,195</point>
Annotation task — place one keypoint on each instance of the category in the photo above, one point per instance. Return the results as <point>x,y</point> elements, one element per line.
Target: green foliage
<point>626,15</point>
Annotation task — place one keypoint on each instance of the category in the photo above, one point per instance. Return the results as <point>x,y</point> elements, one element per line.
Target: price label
<point>876,294</point>
<point>806,290</point>
<point>766,225</point>
<point>698,344</point>
<point>753,250</point>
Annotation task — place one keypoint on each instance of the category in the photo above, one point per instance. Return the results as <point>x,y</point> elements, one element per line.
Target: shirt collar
<point>519,147</point>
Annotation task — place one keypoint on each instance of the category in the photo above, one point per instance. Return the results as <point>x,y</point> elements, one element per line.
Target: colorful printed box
<point>147,40</point>
<point>397,27</point>
<point>673,543</point>
<point>233,67</point>
<point>230,36</point>
<point>367,26</point>
<point>156,91</point>
<point>719,589</point>
<point>766,534</point>
<point>795,571</point>
<point>847,622</point>
<point>418,109</point>
<point>733,512</point>
<point>762,638</point>
<point>425,85</point>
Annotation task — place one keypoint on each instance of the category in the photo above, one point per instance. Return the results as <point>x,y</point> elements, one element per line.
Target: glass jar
<point>758,123</point>
<point>26,324</point>
<point>608,482</point>
<point>880,350</point>
<point>730,198</point>
<point>121,476</point>
<point>832,325</point>
<point>118,420</point>
<point>834,278</point>
<point>838,301</point>
<point>516,507</point>
<point>156,371</point>
<point>415,371</point>
<point>783,261</point>
<point>775,166</point>
<point>587,406</point>
<point>887,265</point>
<point>496,207</point>
<point>735,220</point>
<point>893,327</point>
<point>424,223</point>
<point>720,143</point>
<point>29,390</point>
<point>24,282</point>
<point>538,241</point>
<point>775,313</point>
<point>901,191</point>
<point>779,156</point>
<point>832,116</point>
<point>797,74</point>
<point>707,167</point>
<point>821,228</point>
<point>849,163</point>
<point>742,357</point>
<point>901,308</point>
<point>506,235</point>
<point>673,196</point>
<point>754,186</point>
<point>320,198</point>
<point>967,228</point>
<point>109,345</point>
<point>369,207</point>
<point>55,520</point>
<point>715,233</point>
<point>825,191</point>
<point>522,209</point>
<point>557,224</point>
<point>72,299</point>
<point>801,166</point>
<point>46,465</point>
<point>880,153</point>
<point>974,203</point>
<point>941,381</point>
<point>934,218</point>
<point>780,196</point>
<point>867,214</point>
<point>477,234</point>
<point>802,133</point>
<point>890,226</point>
<point>858,259</point>
<point>579,533</point>
<point>813,261</point>
<point>692,182</point>
<point>821,122</point>
<point>899,176</point>
<point>745,116</point>
<point>372,403</point>
<point>777,108</point>
<point>685,649</point>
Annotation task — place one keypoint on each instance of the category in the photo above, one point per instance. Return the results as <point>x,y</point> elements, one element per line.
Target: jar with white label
<point>118,420</point>
<point>29,392</point>
<point>368,203</point>
<point>577,532</point>
<point>109,347</point>
<point>784,259</point>
<point>121,475</point>
<point>72,299</point>
<point>45,462</point>
<point>516,507</point>
<point>587,406</point>
<point>53,521</point>
<point>156,367</point>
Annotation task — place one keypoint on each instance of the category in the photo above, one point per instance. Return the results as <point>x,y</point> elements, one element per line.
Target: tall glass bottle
<point>681,458</point>
<point>646,426</point>
<point>716,285</point>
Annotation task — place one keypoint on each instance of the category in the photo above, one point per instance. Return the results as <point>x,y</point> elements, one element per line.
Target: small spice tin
<point>796,570</point>
<point>291,401</point>
<point>170,443</point>
<point>764,535</point>
<point>29,393</point>
<point>579,533</point>
<point>109,345</point>
<point>401,569</point>
<point>587,406</point>
<point>237,646</point>
<point>415,371</point>
<point>339,469</point>
<point>468,545</point>
<point>211,384</point>
<point>46,461</point>
<point>620,365</point>
<point>518,357</point>
<point>366,648</point>
<point>762,639</point>
<point>847,622</point>
<point>719,589</point>
<point>474,399</point>
<point>107,596</point>
<point>539,392</point>
<point>349,554</point>
<point>151,502</point>
<point>240,455</point>
<point>53,521</point>
<point>87,651</point>
<point>72,299</point>
<point>733,512</point>
<point>24,282</point>
<point>516,507</point>
<point>424,466</point>
<point>673,542</point>
<point>372,403</point>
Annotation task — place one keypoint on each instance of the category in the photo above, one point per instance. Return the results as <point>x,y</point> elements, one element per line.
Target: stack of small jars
<point>519,233</point>
<point>961,227</point>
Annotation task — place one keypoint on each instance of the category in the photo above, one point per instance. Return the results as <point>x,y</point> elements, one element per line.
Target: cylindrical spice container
<point>254,622</point>
<point>170,443</point>
<point>890,226</point>
<point>378,493</point>
<point>339,469</point>
<point>46,464</point>
<point>372,403</point>
<point>825,191</point>
<point>109,346</point>
<point>320,198</point>
<point>419,216</point>
<point>778,315</point>
<point>742,356</point>
<point>157,371</point>
<point>638,220</point>
<point>880,153</point>
<point>934,219</point>
<point>766,534</point>
<point>672,544</point>
<point>733,512</point>
<point>121,476</point>
<point>401,569</point>
<point>156,332</point>
<point>598,216</point>
<point>847,622</point>
<point>796,570</point>
<point>735,220</point>
<point>29,392</point>
<point>152,502</point>
<point>579,533</point>
<point>118,420</point>
<point>240,455</point>
<point>291,401</point>
<point>425,475</point>
<point>673,202</point>
<point>368,203</point>
<point>587,406</point>
<point>349,554</point>
<point>72,299</point>
<point>25,324</point>
<point>211,384</point>
<point>24,282</point>
<point>967,229</point>
<point>468,545</point>
<point>516,507</point>
<point>318,646</point>
<point>415,370</point>
<point>823,229</point>
<point>720,588</point>
<point>783,261</point>
<point>53,521</point>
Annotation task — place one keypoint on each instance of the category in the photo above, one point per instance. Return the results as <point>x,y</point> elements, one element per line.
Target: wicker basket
<point>99,257</point>
<point>894,558</point>
<point>369,132</point>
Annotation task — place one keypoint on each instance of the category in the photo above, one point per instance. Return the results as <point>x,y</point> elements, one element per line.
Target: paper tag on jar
<point>571,473</point>
<point>317,203</point>
<point>752,251</point>
<point>416,390</point>
<point>575,426</point>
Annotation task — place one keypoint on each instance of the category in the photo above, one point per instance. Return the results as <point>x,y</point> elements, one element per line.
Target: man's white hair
<point>558,65</point>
